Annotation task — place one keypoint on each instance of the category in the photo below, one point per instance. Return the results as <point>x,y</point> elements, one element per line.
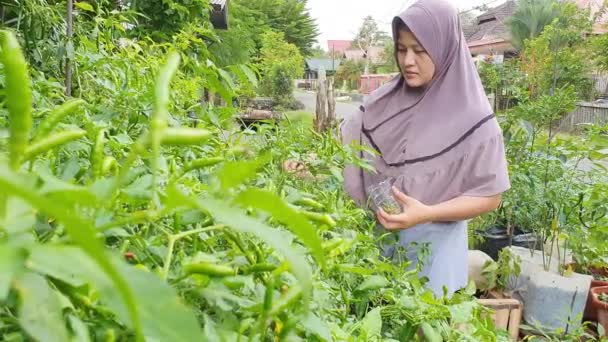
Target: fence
<point>585,112</point>
<point>307,83</point>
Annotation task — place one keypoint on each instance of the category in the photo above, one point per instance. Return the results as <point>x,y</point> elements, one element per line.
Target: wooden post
<point>326,103</point>
<point>68,62</point>
<point>321,110</point>
<point>331,104</point>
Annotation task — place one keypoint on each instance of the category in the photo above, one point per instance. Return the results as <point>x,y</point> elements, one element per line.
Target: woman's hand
<point>415,213</point>
<point>457,209</point>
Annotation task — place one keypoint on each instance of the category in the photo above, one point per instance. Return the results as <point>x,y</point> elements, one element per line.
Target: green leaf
<point>65,192</point>
<point>80,230</point>
<point>11,263</point>
<point>163,316</point>
<point>19,218</point>
<point>462,313</point>
<point>371,325</point>
<point>227,77</point>
<point>374,282</point>
<point>337,173</point>
<point>282,212</point>
<point>316,326</point>
<point>250,75</point>
<point>140,188</point>
<point>84,6</point>
<point>81,332</point>
<point>236,173</point>
<point>220,296</point>
<point>40,309</point>
<point>242,223</point>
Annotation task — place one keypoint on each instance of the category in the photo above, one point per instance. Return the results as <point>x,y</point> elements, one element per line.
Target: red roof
<point>339,45</point>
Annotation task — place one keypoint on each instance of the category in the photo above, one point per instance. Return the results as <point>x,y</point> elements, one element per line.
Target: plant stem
<point>69,34</point>
<point>137,217</point>
<point>171,245</point>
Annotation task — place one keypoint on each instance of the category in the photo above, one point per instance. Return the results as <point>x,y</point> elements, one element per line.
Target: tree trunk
<point>68,61</point>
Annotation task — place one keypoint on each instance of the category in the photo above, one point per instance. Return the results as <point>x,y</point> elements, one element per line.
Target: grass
<point>300,116</point>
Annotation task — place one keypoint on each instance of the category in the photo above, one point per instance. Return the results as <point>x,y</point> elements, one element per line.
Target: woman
<point>437,137</point>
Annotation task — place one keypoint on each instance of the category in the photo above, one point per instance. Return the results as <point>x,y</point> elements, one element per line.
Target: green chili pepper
<point>309,202</point>
<point>331,244</point>
<point>109,163</point>
<point>18,96</point>
<point>268,295</point>
<point>185,136</point>
<point>59,113</point>
<point>97,154</point>
<point>52,141</point>
<point>320,218</point>
<point>258,268</point>
<point>209,269</point>
<point>201,163</point>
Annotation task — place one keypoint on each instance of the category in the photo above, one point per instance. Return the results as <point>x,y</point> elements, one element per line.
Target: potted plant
<point>600,304</point>
<point>495,291</point>
<point>499,276</point>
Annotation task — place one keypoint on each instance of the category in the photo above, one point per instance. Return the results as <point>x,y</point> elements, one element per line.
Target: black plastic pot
<point>496,238</point>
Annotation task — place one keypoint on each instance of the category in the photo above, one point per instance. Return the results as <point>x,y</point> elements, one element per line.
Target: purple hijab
<point>439,142</point>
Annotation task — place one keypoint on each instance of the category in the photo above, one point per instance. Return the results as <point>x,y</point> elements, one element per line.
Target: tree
<point>239,43</point>
<point>280,64</point>
<point>162,19</point>
<point>388,62</point>
<point>600,51</point>
<point>369,35</point>
<point>348,74</point>
<point>318,52</point>
<point>558,56</point>
<point>530,18</point>
<point>288,16</point>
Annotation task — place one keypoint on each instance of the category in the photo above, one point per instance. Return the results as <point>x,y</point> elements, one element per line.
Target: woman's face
<point>416,64</point>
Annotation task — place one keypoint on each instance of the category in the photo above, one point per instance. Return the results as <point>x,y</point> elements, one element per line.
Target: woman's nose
<point>410,59</point>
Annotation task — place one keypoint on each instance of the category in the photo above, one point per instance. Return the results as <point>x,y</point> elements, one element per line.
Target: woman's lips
<point>410,74</point>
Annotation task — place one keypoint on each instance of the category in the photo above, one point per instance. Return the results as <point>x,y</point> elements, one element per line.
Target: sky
<point>340,19</point>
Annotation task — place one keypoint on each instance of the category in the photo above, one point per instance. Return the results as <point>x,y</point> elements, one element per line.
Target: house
<point>374,53</point>
<point>490,35</point>
<point>338,46</point>
<point>311,71</point>
<point>219,14</point>
<point>371,82</point>
<point>594,6</point>
<point>313,65</point>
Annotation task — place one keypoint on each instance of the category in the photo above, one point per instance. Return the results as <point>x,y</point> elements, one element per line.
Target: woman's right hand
<point>293,166</point>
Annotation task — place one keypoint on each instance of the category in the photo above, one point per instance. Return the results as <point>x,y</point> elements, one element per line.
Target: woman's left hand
<point>415,213</point>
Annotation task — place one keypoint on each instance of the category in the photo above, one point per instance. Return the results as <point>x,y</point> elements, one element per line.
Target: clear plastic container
<point>381,196</point>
